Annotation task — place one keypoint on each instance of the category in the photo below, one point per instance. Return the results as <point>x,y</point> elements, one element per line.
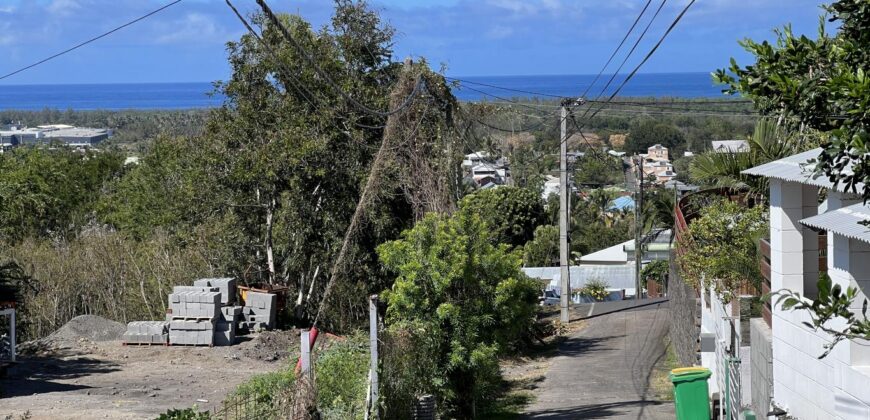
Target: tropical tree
<point>543,249</point>
<point>512,213</point>
<point>817,85</point>
<point>768,142</point>
<point>468,294</point>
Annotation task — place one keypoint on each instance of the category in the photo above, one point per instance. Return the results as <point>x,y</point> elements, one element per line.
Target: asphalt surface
<point>603,371</point>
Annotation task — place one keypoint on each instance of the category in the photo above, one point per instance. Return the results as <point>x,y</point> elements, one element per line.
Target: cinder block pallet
<point>191,318</point>
<point>134,343</point>
<point>190,345</point>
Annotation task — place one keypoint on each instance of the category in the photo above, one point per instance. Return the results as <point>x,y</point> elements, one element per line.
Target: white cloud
<point>63,7</point>
<point>7,36</point>
<point>195,27</point>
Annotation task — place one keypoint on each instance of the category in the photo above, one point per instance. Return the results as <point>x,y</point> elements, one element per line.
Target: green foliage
<point>543,249</point>
<point>512,213</point>
<point>598,169</point>
<point>50,192</point>
<point>767,143</point>
<point>596,289</point>
<point>832,303</point>
<point>720,247</point>
<point>648,132</point>
<point>657,270</point>
<point>593,229</point>
<point>468,293</point>
<point>184,414</point>
<point>341,374</point>
<point>817,85</point>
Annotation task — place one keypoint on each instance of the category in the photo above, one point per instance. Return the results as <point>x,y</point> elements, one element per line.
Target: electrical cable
<point>82,44</point>
<point>621,43</point>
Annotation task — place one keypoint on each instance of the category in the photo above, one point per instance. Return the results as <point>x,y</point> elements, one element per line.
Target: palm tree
<point>767,143</point>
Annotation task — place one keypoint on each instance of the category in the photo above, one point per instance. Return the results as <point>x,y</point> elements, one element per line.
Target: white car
<point>549,298</point>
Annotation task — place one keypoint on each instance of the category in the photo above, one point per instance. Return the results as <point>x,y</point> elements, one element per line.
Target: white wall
<point>838,386</point>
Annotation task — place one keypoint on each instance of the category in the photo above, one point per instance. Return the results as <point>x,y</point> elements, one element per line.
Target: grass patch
<point>660,383</point>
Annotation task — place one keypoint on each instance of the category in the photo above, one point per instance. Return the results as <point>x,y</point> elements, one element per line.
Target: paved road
<point>603,371</point>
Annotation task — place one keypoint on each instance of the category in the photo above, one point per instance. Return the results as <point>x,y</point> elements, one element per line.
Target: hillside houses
<point>657,165</point>
<point>485,171</point>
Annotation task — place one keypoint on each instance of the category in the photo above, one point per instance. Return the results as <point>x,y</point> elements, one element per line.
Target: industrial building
<point>13,135</point>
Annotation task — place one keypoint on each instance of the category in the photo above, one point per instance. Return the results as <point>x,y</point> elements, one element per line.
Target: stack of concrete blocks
<point>146,332</point>
<point>226,285</point>
<point>225,327</point>
<point>260,311</point>
<point>194,315</point>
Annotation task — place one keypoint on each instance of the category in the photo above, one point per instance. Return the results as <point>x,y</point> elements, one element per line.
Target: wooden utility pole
<point>564,252</point>
<point>638,229</point>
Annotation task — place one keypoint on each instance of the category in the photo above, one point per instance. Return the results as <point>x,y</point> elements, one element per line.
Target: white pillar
<point>790,242</point>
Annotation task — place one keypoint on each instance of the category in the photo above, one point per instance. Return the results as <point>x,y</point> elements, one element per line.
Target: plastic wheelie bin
<point>691,396</point>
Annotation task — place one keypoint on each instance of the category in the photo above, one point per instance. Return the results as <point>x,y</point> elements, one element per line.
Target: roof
<point>615,153</point>
<point>730,146</point>
<point>657,146</point>
<point>797,168</point>
<point>613,254</point>
<point>844,221</point>
<point>622,203</point>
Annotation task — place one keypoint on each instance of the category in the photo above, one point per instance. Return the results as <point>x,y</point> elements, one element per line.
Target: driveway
<point>603,371</point>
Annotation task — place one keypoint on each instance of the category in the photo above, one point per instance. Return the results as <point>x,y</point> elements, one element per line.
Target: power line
<point>82,44</point>
<point>630,52</point>
<point>528,92</point>
<point>621,43</point>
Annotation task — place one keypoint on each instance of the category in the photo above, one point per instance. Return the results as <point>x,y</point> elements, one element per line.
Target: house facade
<point>803,208</point>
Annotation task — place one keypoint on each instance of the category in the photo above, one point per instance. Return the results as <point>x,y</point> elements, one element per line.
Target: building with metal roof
<point>798,168</point>
<point>847,221</point>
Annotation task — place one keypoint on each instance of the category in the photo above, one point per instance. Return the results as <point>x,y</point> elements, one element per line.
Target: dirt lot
<point>85,373</point>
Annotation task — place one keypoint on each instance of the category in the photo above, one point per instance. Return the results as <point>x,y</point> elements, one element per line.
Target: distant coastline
<point>192,95</point>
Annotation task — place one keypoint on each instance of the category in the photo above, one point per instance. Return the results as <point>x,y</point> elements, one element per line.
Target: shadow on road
<point>592,411</point>
<point>37,375</point>
<point>576,346</point>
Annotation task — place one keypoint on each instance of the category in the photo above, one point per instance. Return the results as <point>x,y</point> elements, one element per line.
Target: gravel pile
<point>91,327</point>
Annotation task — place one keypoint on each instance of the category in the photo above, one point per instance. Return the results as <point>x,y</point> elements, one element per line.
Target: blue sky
<point>470,37</point>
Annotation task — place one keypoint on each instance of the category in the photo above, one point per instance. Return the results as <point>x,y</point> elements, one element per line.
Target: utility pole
<point>564,253</point>
<point>638,228</point>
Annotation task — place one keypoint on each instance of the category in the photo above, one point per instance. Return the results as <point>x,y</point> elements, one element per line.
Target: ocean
<point>198,95</point>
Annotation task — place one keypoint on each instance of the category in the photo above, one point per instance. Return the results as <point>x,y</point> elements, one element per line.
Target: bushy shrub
<point>184,414</point>
<point>465,294</point>
<point>595,289</point>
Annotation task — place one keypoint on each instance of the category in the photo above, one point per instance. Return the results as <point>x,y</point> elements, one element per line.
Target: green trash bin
<point>691,396</point>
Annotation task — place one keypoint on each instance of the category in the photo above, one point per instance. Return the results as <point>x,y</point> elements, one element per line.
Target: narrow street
<point>604,370</point>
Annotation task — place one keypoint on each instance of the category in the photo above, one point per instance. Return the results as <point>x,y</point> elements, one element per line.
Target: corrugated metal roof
<point>844,221</point>
<point>616,276</point>
<point>797,168</point>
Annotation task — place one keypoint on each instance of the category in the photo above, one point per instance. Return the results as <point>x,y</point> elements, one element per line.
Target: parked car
<point>549,298</point>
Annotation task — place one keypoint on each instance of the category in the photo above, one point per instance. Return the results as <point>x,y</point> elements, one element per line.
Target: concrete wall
<point>761,366</point>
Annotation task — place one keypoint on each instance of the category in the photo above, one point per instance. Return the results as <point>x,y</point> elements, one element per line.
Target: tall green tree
<point>817,85</point>
<point>648,132</point>
<point>468,294</point>
<point>512,213</point>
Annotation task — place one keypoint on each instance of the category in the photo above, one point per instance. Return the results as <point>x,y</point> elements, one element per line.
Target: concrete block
<point>179,289</point>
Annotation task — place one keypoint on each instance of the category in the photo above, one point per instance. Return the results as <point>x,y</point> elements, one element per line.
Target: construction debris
<point>205,314</point>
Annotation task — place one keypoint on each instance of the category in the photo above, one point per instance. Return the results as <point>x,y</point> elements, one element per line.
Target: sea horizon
<point>199,95</point>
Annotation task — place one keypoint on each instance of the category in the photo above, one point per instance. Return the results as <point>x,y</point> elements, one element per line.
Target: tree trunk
<point>270,258</point>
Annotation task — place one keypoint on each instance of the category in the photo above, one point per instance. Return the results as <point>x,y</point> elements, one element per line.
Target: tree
<point>657,270</point>
<point>468,294</point>
<point>720,247</point>
<point>767,143</point>
<point>543,250</point>
<point>512,213</point>
<point>648,132</point>
<point>819,86</point>
<point>598,169</point>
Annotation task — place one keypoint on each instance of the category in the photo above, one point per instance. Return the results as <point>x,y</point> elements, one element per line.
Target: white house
<point>806,387</point>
